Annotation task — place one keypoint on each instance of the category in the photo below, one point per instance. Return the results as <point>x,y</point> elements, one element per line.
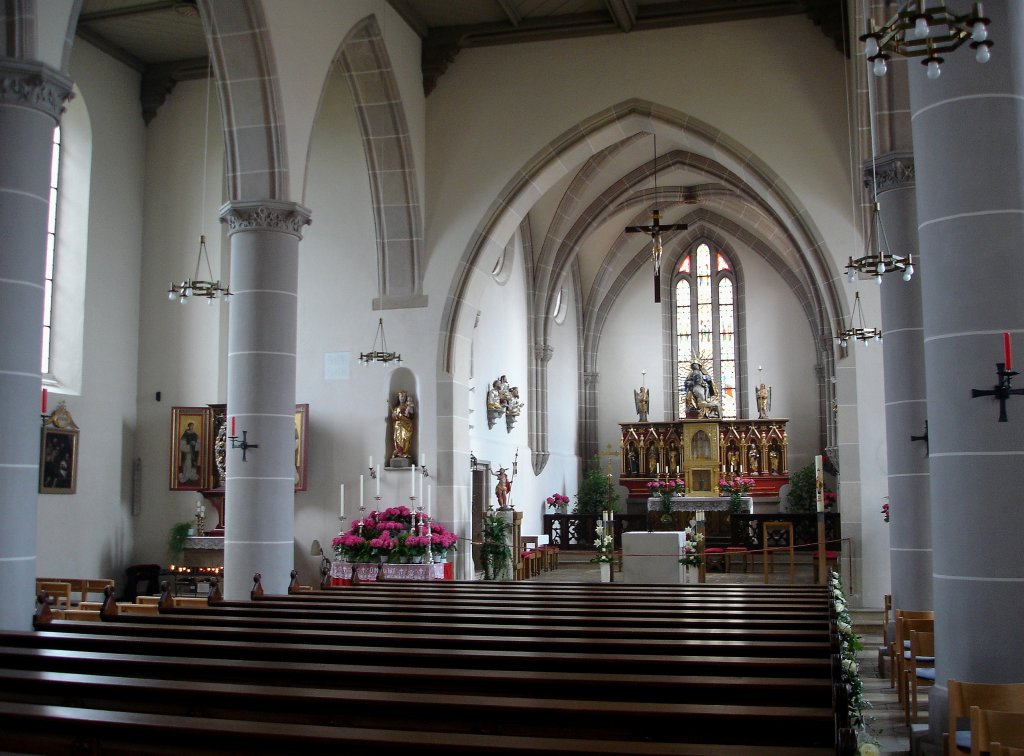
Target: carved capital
<point>590,379</point>
<point>894,170</point>
<point>269,215</point>
<point>544,352</point>
<point>34,85</point>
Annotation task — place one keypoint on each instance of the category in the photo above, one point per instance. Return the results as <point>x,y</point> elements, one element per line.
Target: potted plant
<point>176,540</point>
<point>495,551</point>
<point>802,497</point>
<point>596,493</point>
<point>736,488</point>
<point>666,489</point>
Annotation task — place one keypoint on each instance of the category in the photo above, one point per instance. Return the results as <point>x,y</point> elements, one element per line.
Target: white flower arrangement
<point>605,545</point>
<point>849,645</point>
<point>691,556</point>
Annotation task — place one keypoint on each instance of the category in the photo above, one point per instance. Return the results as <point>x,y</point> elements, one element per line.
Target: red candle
<point>1007,355</point>
<point>232,425</point>
<point>44,401</point>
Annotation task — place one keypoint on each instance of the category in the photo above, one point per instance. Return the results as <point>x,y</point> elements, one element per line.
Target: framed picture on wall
<point>301,445</point>
<point>190,439</point>
<point>58,454</point>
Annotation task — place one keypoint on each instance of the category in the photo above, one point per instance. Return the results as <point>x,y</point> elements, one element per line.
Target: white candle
<point>429,489</point>
<point>423,460</point>
<point>371,463</point>
<point>819,484</point>
<point>657,469</point>
<point>378,480</point>
<point>412,482</point>
<point>341,502</point>
<point>360,491</point>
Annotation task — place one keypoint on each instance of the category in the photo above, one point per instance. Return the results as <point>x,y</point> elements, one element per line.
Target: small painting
<point>58,463</point>
<point>189,454</point>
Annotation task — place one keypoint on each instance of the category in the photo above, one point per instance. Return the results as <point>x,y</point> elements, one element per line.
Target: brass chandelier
<point>857,331</point>
<point>195,287</point>
<point>379,353</point>
<point>879,260</point>
<point>919,31</point>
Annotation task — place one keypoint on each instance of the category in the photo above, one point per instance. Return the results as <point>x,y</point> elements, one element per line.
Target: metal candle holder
<point>1002,391</point>
<point>244,445</point>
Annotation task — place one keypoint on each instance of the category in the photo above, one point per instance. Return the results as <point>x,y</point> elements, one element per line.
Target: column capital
<point>590,378</point>
<point>544,352</point>
<point>265,215</point>
<point>34,85</point>
<point>893,170</point>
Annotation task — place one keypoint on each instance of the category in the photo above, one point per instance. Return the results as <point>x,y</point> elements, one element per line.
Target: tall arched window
<point>51,246</point>
<point>706,323</point>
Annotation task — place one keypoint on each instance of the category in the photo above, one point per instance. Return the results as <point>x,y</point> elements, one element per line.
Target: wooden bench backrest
<point>1003,727</point>
<point>993,696</point>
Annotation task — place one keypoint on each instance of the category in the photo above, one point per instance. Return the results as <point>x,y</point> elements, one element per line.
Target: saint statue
<point>699,392</point>
<point>402,430</point>
<point>642,400</point>
<point>763,401</point>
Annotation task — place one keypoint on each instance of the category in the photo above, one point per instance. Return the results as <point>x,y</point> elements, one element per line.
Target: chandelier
<point>381,353</point>
<point>195,287</point>
<point>858,332</point>
<point>917,31</point>
<point>879,260</point>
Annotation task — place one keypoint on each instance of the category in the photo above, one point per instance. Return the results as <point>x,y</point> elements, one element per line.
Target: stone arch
<point>247,85</point>
<point>397,213</point>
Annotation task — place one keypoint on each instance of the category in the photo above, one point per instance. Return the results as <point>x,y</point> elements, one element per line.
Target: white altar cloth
<point>700,504</point>
<point>652,557</point>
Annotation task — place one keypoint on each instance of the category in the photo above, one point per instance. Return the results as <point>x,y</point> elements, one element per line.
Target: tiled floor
<point>885,716</point>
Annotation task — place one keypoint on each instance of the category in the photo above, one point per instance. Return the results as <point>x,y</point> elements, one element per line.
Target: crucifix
<point>654,230</point>
<point>1002,390</point>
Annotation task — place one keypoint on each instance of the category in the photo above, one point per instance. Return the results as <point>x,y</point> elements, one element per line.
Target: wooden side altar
<point>702,451</point>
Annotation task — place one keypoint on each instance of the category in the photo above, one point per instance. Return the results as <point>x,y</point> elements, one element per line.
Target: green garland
<point>849,645</point>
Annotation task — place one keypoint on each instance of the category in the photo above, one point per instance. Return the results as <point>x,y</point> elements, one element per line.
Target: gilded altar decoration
<point>642,399</point>
<point>58,453</point>
<point>403,429</point>
<point>700,393</point>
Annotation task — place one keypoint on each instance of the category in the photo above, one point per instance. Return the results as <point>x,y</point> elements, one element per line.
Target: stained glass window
<point>705,293</point>
<point>51,245</point>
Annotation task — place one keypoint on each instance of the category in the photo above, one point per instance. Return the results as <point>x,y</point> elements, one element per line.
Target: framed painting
<point>301,445</point>
<point>58,463</point>
<point>190,437</point>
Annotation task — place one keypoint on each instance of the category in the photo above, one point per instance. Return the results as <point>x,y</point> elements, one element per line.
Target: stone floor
<point>885,715</point>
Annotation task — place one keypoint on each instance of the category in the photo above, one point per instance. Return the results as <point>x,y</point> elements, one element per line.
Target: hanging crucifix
<point>654,230</point>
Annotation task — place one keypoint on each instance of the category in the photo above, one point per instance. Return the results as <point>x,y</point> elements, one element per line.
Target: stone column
<point>260,492</point>
<point>910,536</point>
<point>967,128</point>
<point>32,97</point>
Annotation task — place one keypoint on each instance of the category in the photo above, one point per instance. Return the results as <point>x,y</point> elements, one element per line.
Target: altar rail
<point>746,530</point>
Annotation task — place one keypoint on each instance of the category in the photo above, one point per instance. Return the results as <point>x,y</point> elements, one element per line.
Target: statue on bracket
<point>700,390</point>
<point>503,399</point>
<point>403,429</point>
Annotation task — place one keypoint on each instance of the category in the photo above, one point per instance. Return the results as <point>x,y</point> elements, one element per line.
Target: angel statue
<point>642,400</point>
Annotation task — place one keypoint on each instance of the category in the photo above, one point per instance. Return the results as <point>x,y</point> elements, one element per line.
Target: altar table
<point>341,572</point>
<point>701,504</point>
<point>653,557</point>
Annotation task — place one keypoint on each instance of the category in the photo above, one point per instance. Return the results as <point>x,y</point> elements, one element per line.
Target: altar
<point>654,557</point>
<point>701,504</point>
<point>368,572</point>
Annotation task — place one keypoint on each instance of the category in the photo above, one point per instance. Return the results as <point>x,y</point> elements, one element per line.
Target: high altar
<point>703,451</point>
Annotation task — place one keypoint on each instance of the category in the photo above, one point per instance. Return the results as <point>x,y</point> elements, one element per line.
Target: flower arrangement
<point>736,489</point>
<point>557,500</point>
<point>885,510</point>
<point>849,645</point>
<point>691,548</point>
<point>605,545</point>
<point>392,535</point>
<point>666,489</point>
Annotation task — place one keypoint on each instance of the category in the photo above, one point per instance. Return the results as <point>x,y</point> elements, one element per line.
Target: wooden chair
<point>883,650</point>
<point>995,728</point>
<point>901,641</point>
<point>905,625</point>
<point>998,749</point>
<point>58,591</point>
<point>920,669</point>
<point>964,695</point>
<point>738,552</point>
<point>773,532</point>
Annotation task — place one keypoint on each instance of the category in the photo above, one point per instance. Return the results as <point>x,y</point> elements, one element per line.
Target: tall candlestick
<point>44,400</point>
<point>429,490</point>
<point>360,491</point>
<point>819,483</point>
<point>1007,358</point>
<point>341,503</point>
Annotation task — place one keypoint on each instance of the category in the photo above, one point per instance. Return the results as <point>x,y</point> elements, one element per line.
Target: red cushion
<point>828,554</point>
<point>714,550</point>
<point>736,548</point>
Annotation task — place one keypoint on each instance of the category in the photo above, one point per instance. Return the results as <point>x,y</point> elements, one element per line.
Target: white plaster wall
<point>181,347</point>
<point>561,474</point>
<point>91,533</point>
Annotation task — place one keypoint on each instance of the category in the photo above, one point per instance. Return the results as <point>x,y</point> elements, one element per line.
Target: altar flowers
<point>849,645</point>
<point>395,534</point>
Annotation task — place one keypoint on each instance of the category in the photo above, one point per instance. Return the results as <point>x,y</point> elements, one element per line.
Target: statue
<point>752,460</point>
<point>642,400</point>
<point>402,427</point>
<point>699,392</point>
<point>763,401</point>
<point>513,406</point>
<point>503,488</point>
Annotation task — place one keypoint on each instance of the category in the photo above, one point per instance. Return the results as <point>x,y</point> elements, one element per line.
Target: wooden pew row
<point>478,637</point>
<point>495,715</point>
<point>440,676</point>
<point>24,726</point>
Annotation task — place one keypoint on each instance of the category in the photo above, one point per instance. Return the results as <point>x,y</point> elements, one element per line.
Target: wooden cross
<point>654,231</point>
<point>1002,390</point>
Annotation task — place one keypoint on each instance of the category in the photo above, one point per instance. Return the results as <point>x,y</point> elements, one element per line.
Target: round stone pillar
<point>260,491</point>
<point>32,97</point>
<point>967,127</point>
<point>910,535</point>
